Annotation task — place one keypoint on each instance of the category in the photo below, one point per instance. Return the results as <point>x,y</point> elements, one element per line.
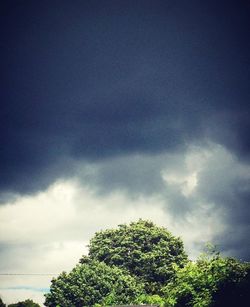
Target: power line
<point>27,274</point>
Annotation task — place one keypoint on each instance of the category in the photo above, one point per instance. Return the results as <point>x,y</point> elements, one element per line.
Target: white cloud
<point>48,232</point>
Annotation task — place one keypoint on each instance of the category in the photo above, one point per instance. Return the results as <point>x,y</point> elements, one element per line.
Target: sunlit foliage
<point>145,250</point>
<point>141,263</point>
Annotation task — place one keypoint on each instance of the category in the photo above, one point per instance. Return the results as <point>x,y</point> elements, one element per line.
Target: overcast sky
<point>113,111</point>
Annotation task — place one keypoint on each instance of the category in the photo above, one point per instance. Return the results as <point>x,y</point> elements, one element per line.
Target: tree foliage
<point>234,288</point>
<point>26,303</point>
<point>143,249</point>
<point>151,299</point>
<point>141,263</point>
<point>214,281</point>
<point>93,282</point>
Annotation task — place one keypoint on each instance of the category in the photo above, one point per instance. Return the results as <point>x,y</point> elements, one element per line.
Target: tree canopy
<point>141,263</point>
<point>143,249</point>
<point>93,282</point>
<point>26,303</point>
<point>210,281</point>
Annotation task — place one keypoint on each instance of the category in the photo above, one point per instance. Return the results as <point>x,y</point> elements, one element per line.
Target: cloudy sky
<point>117,110</point>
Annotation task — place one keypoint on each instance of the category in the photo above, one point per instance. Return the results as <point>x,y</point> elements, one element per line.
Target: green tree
<point>208,282</point>
<point>153,299</point>
<point>141,263</point>
<point>26,303</point>
<point>93,282</point>
<point>146,251</point>
<point>234,290</point>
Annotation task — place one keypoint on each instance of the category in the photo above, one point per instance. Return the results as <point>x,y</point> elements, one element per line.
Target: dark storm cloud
<point>135,175</point>
<point>88,80</point>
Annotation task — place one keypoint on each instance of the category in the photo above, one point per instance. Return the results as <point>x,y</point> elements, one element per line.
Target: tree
<point>211,281</point>
<point>93,282</point>
<point>234,290</point>
<point>141,263</point>
<point>146,251</point>
<point>26,303</point>
<point>153,299</point>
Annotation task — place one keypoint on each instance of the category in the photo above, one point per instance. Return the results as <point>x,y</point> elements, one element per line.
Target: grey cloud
<point>225,183</point>
<point>133,174</point>
<point>94,80</point>
<point>221,188</point>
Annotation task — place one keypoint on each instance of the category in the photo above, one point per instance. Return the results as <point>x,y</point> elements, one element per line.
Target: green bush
<point>26,303</point>
<point>208,282</point>
<point>150,299</point>
<point>91,283</point>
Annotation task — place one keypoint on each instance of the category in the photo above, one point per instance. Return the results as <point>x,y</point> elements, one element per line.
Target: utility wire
<point>27,274</point>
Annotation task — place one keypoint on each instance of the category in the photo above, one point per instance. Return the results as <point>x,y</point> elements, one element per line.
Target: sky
<point>113,111</point>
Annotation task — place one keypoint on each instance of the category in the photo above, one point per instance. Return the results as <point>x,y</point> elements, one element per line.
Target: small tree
<point>26,303</point>
<point>207,282</point>
<point>146,251</point>
<point>93,282</point>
